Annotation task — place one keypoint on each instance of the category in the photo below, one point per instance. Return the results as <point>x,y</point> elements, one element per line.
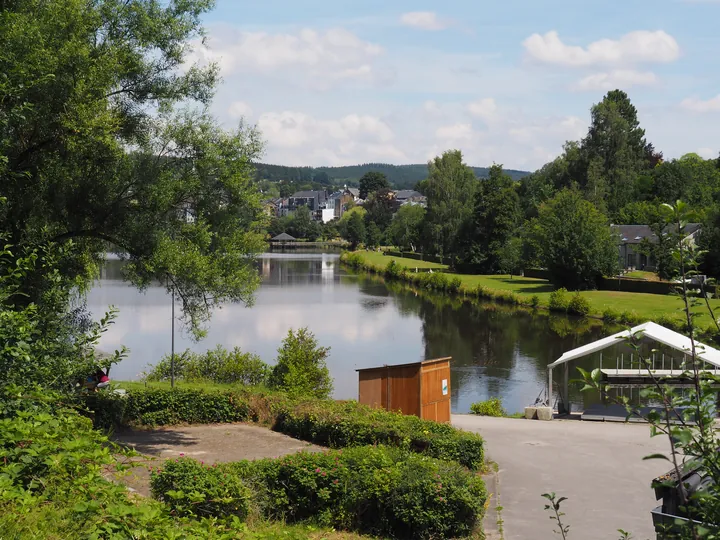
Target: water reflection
<point>496,350</point>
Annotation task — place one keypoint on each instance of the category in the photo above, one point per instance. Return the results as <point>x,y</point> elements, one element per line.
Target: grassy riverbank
<point>615,306</point>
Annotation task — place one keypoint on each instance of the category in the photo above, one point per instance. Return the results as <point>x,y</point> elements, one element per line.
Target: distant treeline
<point>399,176</point>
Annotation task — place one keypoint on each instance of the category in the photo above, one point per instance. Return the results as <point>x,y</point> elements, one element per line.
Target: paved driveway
<point>597,465</point>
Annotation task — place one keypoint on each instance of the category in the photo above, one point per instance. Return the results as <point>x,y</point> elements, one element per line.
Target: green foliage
<point>301,369</point>
<point>374,237</point>
<point>192,488</point>
<point>579,305</point>
<point>404,230</point>
<point>52,484</point>
<point>610,315</point>
<point>450,189</point>
<point>392,270</point>
<point>380,207</point>
<point>491,407</point>
<point>82,84</point>
<point>216,365</point>
<point>377,490</point>
<point>371,182</point>
<point>574,241</point>
<point>558,300</point>
<point>353,229</point>
<point>535,301</point>
<point>339,425</point>
<point>495,219</point>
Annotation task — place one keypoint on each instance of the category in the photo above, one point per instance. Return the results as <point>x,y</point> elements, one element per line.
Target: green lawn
<point>641,274</point>
<point>647,306</point>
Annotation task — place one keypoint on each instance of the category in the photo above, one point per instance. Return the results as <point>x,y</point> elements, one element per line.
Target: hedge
<point>381,491</point>
<point>324,422</point>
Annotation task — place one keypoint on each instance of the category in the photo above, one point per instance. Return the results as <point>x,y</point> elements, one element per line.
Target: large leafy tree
<point>450,189</point>
<point>380,207</point>
<point>371,182</point>
<point>495,220</point>
<point>404,231</point>
<point>95,155</point>
<point>574,241</point>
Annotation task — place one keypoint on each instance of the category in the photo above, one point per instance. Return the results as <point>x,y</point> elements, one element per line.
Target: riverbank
<point>611,306</point>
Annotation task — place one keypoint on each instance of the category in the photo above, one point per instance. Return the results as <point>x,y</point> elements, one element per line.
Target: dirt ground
<point>208,443</point>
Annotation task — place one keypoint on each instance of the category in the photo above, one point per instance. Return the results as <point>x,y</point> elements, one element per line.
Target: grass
<point>644,306</point>
<point>640,274</point>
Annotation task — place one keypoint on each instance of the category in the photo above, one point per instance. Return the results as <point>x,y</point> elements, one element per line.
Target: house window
<point>631,260</point>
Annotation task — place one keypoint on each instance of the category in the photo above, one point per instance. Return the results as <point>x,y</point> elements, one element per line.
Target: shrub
<point>454,284</point>
<point>610,315</point>
<point>378,490</point>
<point>301,369</point>
<point>579,305</point>
<point>217,365</point>
<point>558,300</point>
<point>628,318</point>
<point>436,281</point>
<point>534,301</point>
<point>341,425</point>
<point>481,292</point>
<point>491,407</point>
<point>195,489</point>
<point>392,270</point>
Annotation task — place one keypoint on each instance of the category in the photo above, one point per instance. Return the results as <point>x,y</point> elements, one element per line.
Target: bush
<point>392,270</point>
<point>610,315</point>
<point>341,425</point>
<point>217,365</point>
<point>491,407</point>
<point>579,305</point>
<point>377,490</point>
<point>157,407</point>
<point>195,489</point>
<point>301,369</point>
<point>558,300</point>
<point>534,301</point>
<point>454,284</point>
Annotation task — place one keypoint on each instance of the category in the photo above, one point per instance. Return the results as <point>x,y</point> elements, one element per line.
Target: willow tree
<point>106,145</point>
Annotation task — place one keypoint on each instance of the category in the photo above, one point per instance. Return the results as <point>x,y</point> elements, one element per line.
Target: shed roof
<point>283,237</point>
<point>648,330</point>
<point>421,363</point>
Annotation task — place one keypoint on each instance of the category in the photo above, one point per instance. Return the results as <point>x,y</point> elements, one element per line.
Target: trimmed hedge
<point>377,490</point>
<point>341,425</point>
<point>324,422</point>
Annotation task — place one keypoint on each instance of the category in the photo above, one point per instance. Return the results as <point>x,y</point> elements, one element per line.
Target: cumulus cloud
<point>336,52</point>
<point>699,105</point>
<point>623,78</point>
<point>635,47</point>
<point>239,109</point>
<point>299,138</point>
<point>426,20</point>
<point>483,108</point>
<point>454,132</point>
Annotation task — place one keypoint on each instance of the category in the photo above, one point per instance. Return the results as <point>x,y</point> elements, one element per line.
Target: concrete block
<point>544,413</point>
<point>531,413</point>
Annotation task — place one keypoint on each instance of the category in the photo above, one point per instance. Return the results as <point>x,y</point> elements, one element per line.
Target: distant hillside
<point>399,176</point>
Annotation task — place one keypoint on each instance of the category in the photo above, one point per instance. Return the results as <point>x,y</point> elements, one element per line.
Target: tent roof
<point>649,330</point>
<point>283,237</point>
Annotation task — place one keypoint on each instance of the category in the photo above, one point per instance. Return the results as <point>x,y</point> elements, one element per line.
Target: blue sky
<point>341,82</point>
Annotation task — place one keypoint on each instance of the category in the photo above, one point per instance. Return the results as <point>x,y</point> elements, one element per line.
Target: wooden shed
<point>420,389</point>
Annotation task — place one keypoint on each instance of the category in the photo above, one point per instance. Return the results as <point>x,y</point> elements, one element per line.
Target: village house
<point>632,237</point>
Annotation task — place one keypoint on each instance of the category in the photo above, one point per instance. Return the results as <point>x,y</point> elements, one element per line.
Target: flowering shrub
<point>377,490</point>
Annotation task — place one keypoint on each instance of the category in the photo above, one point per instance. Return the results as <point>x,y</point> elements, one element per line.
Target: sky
<point>339,82</point>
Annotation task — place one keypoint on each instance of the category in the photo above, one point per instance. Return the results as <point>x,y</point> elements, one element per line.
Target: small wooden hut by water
<point>283,238</point>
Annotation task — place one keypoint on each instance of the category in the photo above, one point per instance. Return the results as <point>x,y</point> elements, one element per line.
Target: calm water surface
<point>496,351</point>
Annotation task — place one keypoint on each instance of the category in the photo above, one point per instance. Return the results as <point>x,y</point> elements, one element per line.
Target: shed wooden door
<point>435,390</point>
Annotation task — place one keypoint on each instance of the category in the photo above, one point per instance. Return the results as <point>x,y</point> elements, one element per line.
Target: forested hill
<point>399,176</point>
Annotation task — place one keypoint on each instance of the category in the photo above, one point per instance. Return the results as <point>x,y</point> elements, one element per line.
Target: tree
<point>510,258</point>
<point>379,207</point>
<point>615,152</point>
<point>95,155</point>
<point>355,232</point>
<point>301,369</point>
<point>371,182</point>
<point>574,241</point>
<point>374,236</point>
<point>450,189</point>
<point>404,231</point>
<point>495,219</point>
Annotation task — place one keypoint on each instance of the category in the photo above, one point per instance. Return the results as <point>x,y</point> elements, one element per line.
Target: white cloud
<point>622,78</point>
<point>707,153</point>
<point>431,107</point>
<point>699,105</point>
<point>454,132</point>
<point>483,108</point>
<point>335,52</point>
<point>636,47</point>
<point>239,109</point>
<point>426,20</point>
<point>299,138</point>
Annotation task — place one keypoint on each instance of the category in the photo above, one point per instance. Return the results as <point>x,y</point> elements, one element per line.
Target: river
<point>496,350</point>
